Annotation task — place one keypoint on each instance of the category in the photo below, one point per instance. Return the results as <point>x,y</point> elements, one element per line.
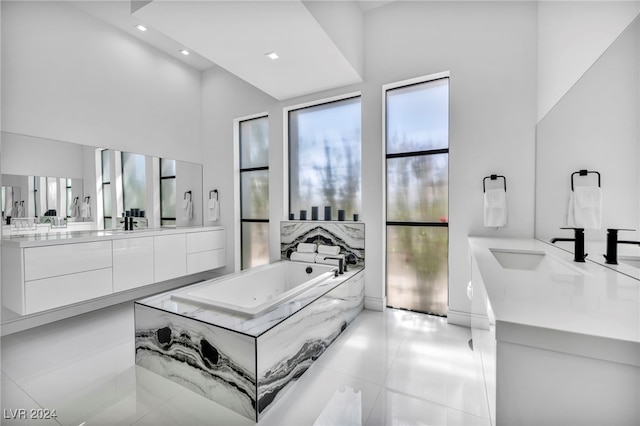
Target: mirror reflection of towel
<point>187,210</point>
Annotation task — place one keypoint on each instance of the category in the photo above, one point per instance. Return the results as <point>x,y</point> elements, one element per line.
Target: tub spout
<point>340,263</point>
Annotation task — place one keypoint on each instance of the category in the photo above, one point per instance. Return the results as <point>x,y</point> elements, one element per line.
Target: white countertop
<point>597,249</point>
<point>582,307</point>
<point>39,240</point>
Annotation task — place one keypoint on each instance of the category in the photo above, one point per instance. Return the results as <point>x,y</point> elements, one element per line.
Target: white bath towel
<point>214,210</point>
<point>296,256</point>
<point>495,207</point>
<point>320,258</point>
<point>585,207</point>
<point>187,210</point>
<point>331,250</point>
<point>306,248</point>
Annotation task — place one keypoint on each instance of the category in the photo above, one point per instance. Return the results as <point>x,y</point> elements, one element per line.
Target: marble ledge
<point>253,327</point>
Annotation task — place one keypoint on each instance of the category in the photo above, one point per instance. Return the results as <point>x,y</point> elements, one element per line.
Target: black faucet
<point>578,250</point>
<point>611,257</point>
<point>340,263</point>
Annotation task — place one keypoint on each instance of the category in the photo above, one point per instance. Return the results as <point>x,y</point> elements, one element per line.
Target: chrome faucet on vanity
<point>578,250</point>
<point>611,257</point>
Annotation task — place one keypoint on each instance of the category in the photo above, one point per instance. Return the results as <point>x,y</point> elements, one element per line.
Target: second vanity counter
<point>584,299</point>
<point>559,341</point>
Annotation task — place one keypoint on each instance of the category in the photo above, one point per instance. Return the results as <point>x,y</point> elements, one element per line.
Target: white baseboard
<point>459,318</point>
<point>375,303</point>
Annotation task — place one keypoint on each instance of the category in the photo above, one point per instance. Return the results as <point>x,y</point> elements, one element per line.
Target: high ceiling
<point>317,43</point>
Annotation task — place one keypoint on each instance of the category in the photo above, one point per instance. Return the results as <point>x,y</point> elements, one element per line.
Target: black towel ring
<point>584,172</point>
<point>215,191</point>
<point>494,177</point>
<point>185,195</point>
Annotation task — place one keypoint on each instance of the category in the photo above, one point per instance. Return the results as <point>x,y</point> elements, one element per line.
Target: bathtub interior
<point>258,289</point>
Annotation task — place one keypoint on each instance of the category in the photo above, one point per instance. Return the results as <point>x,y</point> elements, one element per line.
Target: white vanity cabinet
<point>42,272</point>
<point>133,263</point>
<point>60,275</point>
<point>170,254</point>
<point>558,342</point>
<point>205,250</point>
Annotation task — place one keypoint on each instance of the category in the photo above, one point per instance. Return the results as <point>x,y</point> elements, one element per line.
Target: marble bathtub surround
<point>244,363</point>
<point>348,236</point>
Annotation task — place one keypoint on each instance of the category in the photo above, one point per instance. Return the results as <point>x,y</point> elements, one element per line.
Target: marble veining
<point>287,351</point>
<point>348,235</point>
<point>215,363</point>
<point>245,373</point>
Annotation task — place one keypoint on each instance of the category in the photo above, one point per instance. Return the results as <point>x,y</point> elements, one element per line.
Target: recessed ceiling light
<point>272,55</point>
<point>141,27</point>
<point>185,52</point>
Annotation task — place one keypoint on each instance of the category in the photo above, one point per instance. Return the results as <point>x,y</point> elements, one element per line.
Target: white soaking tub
<point>257,290</point>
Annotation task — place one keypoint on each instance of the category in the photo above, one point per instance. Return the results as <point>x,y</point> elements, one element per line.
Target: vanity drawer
<point>204,241</point>
<point>205,260</point>
<point>54,292</point>
<point>63,259</point>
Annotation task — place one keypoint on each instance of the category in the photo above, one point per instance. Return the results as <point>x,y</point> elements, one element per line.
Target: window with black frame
<point>106,188</point>
<point>254,191</point>
<point>167,192</point>
<point>325,157</point>
<point>417,165</point>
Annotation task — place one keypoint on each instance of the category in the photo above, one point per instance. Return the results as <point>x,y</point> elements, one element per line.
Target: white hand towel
<point>187,210</point>
<point>20,211</point>
<point>495,207</point>
<point>214,210</point>
<point>585,207</point>
<point>303,257</point>
<point>330,250</point>
<point>306,248</point>
<point>14,210</point>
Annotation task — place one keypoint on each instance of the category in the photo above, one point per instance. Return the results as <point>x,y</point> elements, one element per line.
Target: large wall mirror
<point>595,127</point>
<point>44,178</point>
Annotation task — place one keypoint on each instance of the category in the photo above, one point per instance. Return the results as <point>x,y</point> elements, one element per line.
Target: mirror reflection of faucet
<point>611,258</point>
<point>578,251</point>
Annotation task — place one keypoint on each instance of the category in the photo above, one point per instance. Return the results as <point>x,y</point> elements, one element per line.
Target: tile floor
<point>395,367</point>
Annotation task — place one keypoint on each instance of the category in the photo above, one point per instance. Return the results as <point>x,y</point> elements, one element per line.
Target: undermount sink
<point>518,259</point>
<point>533,260</point>
<point>630,260</point>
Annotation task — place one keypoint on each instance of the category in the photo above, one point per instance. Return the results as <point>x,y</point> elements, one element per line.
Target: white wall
<point>571,37</point>
<point>595,127</point>
<point>224,98</point>
<point>68,76</point>
<point>26,155</point>
<point>490,49</point>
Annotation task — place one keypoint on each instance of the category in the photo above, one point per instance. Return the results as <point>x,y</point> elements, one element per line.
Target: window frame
<point>161,178</point>
<point>385,158</point>
<point>242,170</point>
<point>287,140</point>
